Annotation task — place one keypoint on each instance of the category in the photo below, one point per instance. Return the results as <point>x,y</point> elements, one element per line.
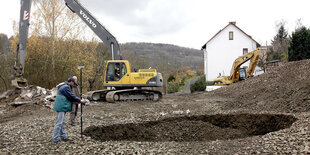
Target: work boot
<point>66,139</point>
<point>74,123</point>
<point>57,142</point>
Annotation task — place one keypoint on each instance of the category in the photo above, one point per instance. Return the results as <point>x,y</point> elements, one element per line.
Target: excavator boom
<point>253,63</point>
<point>108,39</point>
<point>19,81</point>
<point>235,71</point>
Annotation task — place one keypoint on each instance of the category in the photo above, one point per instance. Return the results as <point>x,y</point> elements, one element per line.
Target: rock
<point>178,112</point>
<point>21,103</point>
<point>4,95</point>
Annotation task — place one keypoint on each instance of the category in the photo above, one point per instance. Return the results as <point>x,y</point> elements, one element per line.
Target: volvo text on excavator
<point>122,84</point>
<point>237,73</point>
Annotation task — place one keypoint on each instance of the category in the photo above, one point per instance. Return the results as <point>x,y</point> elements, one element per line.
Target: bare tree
<point>53,20</point>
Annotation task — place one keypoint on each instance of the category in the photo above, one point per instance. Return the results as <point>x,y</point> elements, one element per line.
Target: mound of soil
<point>193,128</point>
<point>284,89</point>
<point>23,102</point>
<point>14,113</point>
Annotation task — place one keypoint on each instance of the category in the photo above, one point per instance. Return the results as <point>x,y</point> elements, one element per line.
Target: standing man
<point>75,106</point>
<point>63,104</point>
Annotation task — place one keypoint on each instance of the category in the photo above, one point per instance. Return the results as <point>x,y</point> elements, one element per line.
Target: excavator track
<point>97,95</point>
<point>124,95</point>
<point>133,95</point>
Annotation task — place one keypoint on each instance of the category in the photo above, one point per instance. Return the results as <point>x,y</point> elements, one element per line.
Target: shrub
<point>171,78</point>
<point>199,85</point>
<point>173,87</point>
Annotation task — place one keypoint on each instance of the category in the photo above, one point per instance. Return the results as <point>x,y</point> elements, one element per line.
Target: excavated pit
<point>193,128</point>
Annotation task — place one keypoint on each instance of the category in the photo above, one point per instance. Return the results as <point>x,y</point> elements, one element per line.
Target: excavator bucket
<point>19,82</point>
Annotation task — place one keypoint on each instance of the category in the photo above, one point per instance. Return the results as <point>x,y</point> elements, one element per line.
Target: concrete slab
<point>211,88</point>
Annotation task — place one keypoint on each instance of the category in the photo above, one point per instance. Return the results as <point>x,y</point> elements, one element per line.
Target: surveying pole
<point>81,68</point>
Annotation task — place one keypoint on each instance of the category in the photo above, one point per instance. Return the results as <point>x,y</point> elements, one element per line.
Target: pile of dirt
<point>17,103</point>
<point>283,89</point>
<point>27,95</point>
<point>193,128</point>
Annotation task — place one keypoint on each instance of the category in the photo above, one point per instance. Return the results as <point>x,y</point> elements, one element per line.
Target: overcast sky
<point>187,23</point>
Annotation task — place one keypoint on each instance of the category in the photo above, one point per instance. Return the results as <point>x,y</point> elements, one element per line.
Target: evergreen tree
<point>300,44</point>
<point>281,37</point>
<point>280,43</point>
<point>4,41</point>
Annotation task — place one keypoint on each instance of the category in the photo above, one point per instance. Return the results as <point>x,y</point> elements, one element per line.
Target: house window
<point>245,51</point>
<point>231,35</point>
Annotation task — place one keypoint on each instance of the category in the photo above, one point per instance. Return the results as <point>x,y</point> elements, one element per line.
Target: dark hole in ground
<point>193,128</point>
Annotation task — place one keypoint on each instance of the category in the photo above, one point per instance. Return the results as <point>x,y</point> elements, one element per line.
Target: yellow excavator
<point>121,83</point>
<point>237,73</point>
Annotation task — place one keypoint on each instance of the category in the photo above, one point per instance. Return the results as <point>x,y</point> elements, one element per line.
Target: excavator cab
<point>242,74</point>
<point>115,71</point>
<point>119,75</point>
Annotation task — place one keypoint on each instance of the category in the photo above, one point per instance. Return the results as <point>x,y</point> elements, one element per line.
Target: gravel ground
<point>268,114</point>
<point>32,131</point>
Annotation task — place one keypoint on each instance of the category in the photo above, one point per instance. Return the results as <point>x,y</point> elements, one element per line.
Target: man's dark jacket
<point>64,98</point>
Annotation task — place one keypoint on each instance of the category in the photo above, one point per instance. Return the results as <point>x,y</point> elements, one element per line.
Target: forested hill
<point>165,54</point>
<point>4,43</point>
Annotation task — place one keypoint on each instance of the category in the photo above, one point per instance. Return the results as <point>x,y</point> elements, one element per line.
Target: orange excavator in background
<point>237,73</point>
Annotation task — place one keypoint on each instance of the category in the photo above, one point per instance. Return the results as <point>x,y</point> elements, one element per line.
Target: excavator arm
<point>253,56</point>
<point>19,64</point>
<point>108,39</point>
<point>253,63</point>
<point>235,71</point>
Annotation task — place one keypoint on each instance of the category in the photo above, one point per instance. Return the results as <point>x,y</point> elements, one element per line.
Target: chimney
<point>234,23</point>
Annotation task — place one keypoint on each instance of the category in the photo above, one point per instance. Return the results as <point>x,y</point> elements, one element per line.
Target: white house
<point>223,48</point>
